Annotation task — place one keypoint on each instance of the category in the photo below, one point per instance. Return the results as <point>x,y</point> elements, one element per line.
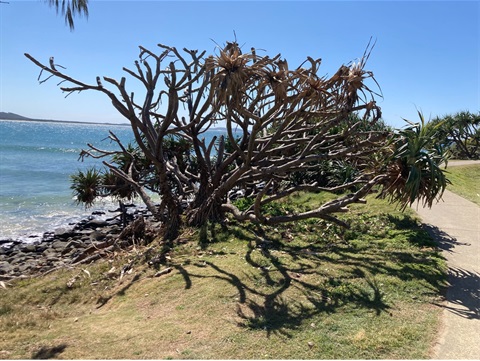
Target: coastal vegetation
<point>287,130</point>
<point>459,133</point>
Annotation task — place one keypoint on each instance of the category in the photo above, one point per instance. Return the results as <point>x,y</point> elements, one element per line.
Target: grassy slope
<point>303,292</point>
<point>465,181</point>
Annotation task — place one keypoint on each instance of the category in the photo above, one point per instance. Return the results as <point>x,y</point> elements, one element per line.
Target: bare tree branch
<point>282,124</point>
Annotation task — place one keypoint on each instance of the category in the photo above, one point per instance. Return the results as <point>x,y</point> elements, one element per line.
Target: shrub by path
<point>455,223</point>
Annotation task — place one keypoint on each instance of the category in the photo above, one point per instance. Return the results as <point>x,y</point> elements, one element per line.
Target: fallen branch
<point>162,272</point>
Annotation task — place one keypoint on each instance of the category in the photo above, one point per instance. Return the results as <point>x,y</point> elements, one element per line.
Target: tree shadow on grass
<point>275,315</point>
<point>264,303</point>
<point>185,275</point>
<point>277,266</point>
<point>102,301</point>
<point>48,352</point>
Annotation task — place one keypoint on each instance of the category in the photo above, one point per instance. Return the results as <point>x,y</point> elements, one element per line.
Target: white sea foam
<point>37,160</point>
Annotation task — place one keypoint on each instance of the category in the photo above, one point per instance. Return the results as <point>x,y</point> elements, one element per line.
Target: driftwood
<point>92,249</point>
<point>162,272</point>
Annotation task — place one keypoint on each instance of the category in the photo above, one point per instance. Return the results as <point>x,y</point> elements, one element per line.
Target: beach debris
<point>72,281</point>
<point>112,272</point>
<point>163,272</point>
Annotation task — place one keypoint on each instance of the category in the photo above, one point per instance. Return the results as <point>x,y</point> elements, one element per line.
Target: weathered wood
<point>92,249</point>
<point>163,272</point>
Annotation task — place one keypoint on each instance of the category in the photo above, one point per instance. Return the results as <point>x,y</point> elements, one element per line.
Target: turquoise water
<point>36,161</point>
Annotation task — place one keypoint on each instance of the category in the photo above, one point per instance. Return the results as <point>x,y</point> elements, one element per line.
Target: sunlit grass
<point>465,181</point>
<point>302,291</point>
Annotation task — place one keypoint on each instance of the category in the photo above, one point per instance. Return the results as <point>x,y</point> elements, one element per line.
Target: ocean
<point>36,161</point>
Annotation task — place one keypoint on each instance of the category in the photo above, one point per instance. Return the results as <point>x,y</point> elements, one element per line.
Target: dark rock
<point>48,236</point>
<point>80,225</point>
<point>71,247</point>
<point>5,267</point>
<point>83,232</point>
<point>16,248</point>
<point>6,240</point>
<point>17,258</point>
<point>95,223</point>
<point>25,267</point>
<point>97,236</point>
<point>58,244</point>
<point>63,232</point>
<point>41,248</point>
<point>29,248</point>
<point>49,252</point>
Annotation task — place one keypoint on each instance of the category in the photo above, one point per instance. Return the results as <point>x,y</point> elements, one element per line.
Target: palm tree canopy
<point>70,9</point>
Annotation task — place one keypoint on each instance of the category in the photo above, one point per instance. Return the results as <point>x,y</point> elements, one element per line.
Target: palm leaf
<point>416,171</point>
<point>70,9</point>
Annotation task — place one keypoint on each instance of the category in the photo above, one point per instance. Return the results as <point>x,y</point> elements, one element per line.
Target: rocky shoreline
<point>83,242</point>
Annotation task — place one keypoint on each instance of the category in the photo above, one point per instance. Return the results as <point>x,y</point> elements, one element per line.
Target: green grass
<point>302,291</point>
<point>465,181</point>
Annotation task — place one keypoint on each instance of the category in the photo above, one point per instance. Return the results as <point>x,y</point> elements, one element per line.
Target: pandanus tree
<point>460,133</point>
<point>280,122</point>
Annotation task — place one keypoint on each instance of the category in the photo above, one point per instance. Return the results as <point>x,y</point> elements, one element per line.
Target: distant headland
<point>13,116</point>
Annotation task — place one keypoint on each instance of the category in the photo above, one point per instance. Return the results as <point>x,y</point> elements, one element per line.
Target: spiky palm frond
<point>415,170</point>
<point>232,72</point>
<point>70,9</point>
<point>87,186</point>
<point>460,132</point>
<point>117,187</point>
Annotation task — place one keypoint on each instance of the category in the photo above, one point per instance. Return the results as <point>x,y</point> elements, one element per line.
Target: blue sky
<point>426,55</point>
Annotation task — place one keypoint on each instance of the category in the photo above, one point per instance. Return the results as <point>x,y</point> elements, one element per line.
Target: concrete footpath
<point>455,223</point>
